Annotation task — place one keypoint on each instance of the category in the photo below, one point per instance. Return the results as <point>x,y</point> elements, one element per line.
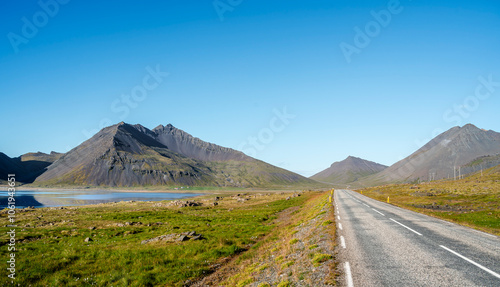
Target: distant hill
<point>480,163</point>
<point>347,171</point>
<point>26,167</point>
<point>436,160</point>
<point>8,166</point>
<point>132,155</point>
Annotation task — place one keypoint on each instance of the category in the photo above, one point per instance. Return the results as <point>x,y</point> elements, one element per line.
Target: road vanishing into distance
<point>384,245</point>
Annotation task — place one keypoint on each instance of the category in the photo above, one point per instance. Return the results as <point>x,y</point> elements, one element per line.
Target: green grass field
<point>473,201</point>
<point>51,250</point>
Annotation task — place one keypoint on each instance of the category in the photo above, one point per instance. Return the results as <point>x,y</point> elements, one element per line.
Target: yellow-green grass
<point>51,250</point>
<point>256,260</point>
<point>473,201</point>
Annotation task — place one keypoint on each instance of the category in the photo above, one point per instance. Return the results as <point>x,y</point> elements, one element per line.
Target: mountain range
<point>438,158</point>
<point>28,166</point>
<point>132,155</point>
<point>460,150</point>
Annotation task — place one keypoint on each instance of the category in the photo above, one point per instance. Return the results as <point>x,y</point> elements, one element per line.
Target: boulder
<point>175,237</point>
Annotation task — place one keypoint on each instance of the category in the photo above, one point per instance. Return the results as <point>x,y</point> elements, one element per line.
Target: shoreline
<point>213,190</point>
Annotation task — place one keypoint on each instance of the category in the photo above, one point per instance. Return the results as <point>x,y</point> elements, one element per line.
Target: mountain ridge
<point>437,158</point>
<point>27,166</point>
<point>132,155</point>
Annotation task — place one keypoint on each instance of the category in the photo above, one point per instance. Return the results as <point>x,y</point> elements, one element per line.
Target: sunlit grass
<point>473,201</point>
<point>52,252</point>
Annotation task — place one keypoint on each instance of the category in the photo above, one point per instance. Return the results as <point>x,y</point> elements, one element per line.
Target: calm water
<point>71,197</point>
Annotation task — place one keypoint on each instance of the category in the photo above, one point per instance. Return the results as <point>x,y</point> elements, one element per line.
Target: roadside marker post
<point>388,200</point>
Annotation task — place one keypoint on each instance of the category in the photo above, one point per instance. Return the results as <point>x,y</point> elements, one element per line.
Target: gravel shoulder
<point>300,252</point>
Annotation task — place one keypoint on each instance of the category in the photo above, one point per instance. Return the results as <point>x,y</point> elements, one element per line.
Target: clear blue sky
<point>229,68</point>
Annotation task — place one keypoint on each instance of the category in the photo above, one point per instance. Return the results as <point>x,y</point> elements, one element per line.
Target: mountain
<point>348,171</point>
<point>26,167</point>
<point>8,166</point>
<point>436,160</point>
<point>480,163</point>
<point>183,143</point>
<point>132,155</point>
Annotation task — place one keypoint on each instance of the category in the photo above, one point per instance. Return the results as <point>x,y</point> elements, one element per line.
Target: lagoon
<point>25,198</point>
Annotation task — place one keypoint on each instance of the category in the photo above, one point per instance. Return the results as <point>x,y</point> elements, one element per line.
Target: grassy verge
<point>52,251</point>
<point>473,201</point>
<point>297,253</point>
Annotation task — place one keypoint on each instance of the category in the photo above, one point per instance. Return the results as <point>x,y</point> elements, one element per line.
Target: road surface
<point>383,245</point>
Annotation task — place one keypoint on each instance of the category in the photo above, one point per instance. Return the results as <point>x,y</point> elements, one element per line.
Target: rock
<point>197,237</point>
<point>182,238</point>
<point>185,203</point>
<point>92,228</point>
<point>88,239</point>
<point>175,237</point>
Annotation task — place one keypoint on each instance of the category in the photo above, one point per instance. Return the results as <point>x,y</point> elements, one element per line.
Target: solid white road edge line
<point>342,241</point>
<point>472,262</point>
<point>406,227</point>
<point>348,275</point>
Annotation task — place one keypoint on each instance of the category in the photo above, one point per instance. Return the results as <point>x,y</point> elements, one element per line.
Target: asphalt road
<point>383,245</point>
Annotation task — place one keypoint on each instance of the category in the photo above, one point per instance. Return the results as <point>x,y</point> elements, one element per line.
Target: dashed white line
<point>472,262</point>
<point>340,226</point>
<point>348,275</point>
<point>342,241</point>
<point>378,212</point>
<point>338,216</point>
<point>406,227</point>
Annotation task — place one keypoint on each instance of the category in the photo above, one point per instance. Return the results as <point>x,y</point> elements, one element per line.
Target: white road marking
<point>338,216</point>
<point>342,241</point>
<point>348,275</point>
<point>378,212</point>
<point>405,226</point>
<point>340,226</point>
<point>366,205</point>
<point>470,261</point>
